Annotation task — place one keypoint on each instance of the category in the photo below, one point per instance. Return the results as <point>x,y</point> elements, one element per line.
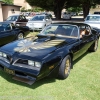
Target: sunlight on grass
<point>83,83</point>
<point>32,34</point>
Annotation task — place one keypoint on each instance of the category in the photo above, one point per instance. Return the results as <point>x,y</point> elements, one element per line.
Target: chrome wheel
<point>67,67</point>
<point>96,45</point>
<point>20,36</point>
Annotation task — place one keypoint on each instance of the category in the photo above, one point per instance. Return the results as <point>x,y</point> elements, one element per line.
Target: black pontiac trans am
<point>51,52</point>
<point>10,32</point>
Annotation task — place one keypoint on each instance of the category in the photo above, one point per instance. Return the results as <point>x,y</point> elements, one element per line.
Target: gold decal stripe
<point>48,44</point>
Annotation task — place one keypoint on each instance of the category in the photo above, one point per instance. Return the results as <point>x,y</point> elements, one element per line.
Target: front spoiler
<point>24,80</point>
<point>21,76</point>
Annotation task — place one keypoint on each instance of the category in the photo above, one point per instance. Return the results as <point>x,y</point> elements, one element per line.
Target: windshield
<point>12,18</point>
<point>93,18</point>
<point>37,18</point>
<point>60,30</point>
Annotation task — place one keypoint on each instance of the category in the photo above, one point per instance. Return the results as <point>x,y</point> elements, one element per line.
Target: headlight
<point>31,63</point>
<point>3,55</point>
<point>37,64</point>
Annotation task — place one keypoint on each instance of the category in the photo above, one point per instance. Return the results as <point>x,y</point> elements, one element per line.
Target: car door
<point>7,35</point>
<point>86,40</point>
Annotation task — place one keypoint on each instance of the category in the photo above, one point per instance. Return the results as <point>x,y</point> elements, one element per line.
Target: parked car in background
<point>38,22</point>
<point>66,15</point>
<point>9,32</point>
<point>73,13</point>
<point>17,19</point>
<point>80,13</point>
<point>93,20</point>
<point>97,12</point>
<point>50,53</point>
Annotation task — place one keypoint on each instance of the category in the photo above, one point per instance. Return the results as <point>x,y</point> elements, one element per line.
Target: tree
<point>58,5</point>
<point>84,4</point>
<point>49,5</point>
<point>8,1</point>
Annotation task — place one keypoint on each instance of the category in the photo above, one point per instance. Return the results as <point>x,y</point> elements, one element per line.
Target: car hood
<point>93,24</point>
<point>36,22</point>
<point>35,47</point>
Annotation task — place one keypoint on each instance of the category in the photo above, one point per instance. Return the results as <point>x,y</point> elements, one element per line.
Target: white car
<point>93,20</point>
<point>66,15</point>
<point>38,22</point>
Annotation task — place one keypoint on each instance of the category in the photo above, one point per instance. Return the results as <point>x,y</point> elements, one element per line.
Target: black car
<point>10,32</point>
<point>50,53</point>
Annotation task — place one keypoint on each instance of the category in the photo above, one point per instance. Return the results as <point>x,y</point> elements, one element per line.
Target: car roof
<point>93,15</point>
<point>17,15</point>
<point>41,15</point>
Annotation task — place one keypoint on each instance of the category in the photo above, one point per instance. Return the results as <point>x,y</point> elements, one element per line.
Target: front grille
<point>20,73</point>
<point>22,61</point>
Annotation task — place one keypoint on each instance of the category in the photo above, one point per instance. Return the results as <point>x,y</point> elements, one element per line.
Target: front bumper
<point>20,73</point>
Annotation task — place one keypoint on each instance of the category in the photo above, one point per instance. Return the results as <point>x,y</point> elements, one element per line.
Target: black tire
<point>65,67</point>
<point>20,36</point>
<point>94,46</point>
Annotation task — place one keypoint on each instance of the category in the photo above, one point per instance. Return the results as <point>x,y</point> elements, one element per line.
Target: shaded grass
<point>83,83</point>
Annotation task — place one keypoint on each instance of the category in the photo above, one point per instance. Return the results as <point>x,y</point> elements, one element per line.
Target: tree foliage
<point>49,5</point>
<point>84,4</point>
<point>8,1</point>
<point>58,5</point>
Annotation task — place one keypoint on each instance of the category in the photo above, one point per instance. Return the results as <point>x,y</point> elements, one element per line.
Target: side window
<point>75,32</point>
<point>84,30</point>
<point>88,30</point>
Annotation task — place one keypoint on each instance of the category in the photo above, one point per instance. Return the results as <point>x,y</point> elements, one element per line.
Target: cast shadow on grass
<point>38,83</point>
<point>43,81</point>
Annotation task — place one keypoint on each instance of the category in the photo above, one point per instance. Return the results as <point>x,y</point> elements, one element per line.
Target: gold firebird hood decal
<point>27,44</point>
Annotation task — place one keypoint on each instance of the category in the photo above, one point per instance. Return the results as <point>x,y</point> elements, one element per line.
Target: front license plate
<point>9,71</point>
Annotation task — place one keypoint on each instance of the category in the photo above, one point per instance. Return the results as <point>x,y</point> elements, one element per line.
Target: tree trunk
<point>57,10</point>
<point>58,6</point>
<point>86,9</point>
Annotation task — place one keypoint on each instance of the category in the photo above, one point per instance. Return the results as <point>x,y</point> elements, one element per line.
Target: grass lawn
<point>83,83</point>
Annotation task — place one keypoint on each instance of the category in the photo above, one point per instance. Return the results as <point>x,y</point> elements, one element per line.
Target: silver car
<point>38,22</point>
<point>93,20</point>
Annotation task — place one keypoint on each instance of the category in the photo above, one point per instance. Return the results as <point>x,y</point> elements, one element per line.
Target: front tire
<point>65,67</point>
<point>20,36</point>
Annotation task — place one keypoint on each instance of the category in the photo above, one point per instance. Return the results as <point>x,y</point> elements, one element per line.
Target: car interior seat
<point>60,30</point>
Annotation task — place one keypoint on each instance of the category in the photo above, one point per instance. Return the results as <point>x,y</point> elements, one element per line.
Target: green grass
<point>83,83</point>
